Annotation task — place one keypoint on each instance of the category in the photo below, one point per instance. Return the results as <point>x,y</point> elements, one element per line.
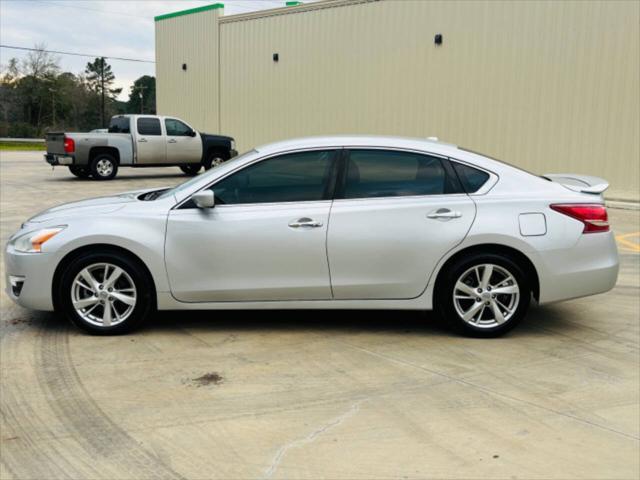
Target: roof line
<point>189,11</point>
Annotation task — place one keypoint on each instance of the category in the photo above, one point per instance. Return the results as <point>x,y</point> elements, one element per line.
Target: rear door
<point>150,141</point>
<point>395,215</point>
<point>184,144</point>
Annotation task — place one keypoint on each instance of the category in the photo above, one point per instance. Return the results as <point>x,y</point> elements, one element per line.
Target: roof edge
<point>189,11</point>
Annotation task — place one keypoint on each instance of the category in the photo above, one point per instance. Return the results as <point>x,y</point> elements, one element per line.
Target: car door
<point>395,216</point>
<point>265,239</point>
<point>184,144</point>
<point>151,145</point>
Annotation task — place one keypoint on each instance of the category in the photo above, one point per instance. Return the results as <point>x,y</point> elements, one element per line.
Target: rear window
<point>119,125</point>
<point>149,126</point>
<point>471,178</point>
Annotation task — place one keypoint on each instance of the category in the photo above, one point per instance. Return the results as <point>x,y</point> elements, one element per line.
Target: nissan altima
<point>326,223</point>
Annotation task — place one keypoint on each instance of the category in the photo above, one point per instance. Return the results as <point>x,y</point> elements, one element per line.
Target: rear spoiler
<point>579,183</point>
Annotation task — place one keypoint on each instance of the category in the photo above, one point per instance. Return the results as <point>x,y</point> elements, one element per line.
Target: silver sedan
<point>327,222</point>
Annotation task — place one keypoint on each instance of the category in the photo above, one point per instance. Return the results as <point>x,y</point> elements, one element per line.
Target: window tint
<point>386,173</point>
<point>176,128</point>
<point>149,126</point>
<point>119,125</point>
<point>472,178</point>
<point>296,177</point>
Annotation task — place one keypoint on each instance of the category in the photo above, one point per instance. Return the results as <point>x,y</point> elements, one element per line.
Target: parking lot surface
<point>323,394</point>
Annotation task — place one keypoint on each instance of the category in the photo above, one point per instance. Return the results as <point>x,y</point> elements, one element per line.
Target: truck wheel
<point>191,169</point>
<point>80,172</point>
<point>104,167</point>
<point>214,159</point>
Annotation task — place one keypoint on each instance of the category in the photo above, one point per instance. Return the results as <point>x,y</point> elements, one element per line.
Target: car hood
<point>91,206</point>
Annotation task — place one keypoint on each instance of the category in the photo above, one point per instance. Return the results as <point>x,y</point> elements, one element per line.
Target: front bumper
<point>233,153</point>
<point>34,272</point>
<point>55,159</point>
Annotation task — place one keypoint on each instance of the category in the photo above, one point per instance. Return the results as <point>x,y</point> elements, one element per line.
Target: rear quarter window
<point>471,178</point>
<point>120,125</point>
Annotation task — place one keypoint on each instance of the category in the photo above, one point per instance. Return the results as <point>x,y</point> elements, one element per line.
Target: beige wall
<point>192,94</point>
<point>549,86</point>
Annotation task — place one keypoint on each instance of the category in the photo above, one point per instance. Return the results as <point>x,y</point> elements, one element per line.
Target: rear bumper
<point>589,268</point>
<point>56,159</point>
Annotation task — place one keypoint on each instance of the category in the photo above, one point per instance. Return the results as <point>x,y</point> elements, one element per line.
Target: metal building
<point>548,86</point>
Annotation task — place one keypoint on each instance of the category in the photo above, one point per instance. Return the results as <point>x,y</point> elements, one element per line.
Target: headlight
<point>32,242</point>
<point>233,144</point>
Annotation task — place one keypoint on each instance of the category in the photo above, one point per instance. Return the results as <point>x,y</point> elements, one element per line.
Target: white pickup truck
<point>138,141</point>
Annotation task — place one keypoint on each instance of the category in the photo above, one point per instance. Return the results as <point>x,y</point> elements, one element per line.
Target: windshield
<point>198,178</point>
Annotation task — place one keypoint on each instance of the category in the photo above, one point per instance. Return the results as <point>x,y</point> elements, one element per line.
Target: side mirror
<point>192,133</point>
<point>204,199</point>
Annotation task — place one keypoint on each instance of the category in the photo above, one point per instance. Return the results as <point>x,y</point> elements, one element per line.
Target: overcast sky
<point>119,28</point>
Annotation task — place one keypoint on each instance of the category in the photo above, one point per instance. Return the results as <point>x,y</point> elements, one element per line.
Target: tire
<point>214,158</point>
<point>191,170</point>
<point>84,300</point>
<point>80,172</point>
<point>489,314</point>
<point>103,167</point>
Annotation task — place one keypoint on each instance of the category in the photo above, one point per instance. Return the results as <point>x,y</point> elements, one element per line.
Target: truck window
<point>119,125</point>
<point>176,128</point>
<point>149,126</point>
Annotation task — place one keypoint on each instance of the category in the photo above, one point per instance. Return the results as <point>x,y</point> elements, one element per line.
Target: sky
<point>119,28</point>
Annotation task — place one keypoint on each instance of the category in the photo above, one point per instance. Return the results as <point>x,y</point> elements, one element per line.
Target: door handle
<point>173,140</point>
<point>444,213</point>
<point>142,140</point>
<point>305,222</point>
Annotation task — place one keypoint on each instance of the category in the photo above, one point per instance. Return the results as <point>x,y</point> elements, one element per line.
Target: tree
<point>142,96</point>
<point>100,78</point>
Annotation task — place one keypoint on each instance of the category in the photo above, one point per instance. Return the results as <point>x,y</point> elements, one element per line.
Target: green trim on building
<point>190,11</point>
<point>293,4</point>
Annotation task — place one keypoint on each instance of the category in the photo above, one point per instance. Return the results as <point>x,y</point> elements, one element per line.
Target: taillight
<point>69,145</point>
<point>593,216</point>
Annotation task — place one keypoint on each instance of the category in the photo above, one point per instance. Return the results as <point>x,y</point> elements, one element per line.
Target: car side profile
<point>350,222</point>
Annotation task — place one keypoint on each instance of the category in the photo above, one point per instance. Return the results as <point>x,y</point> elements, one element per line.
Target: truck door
<point>184,144</point>
<point>150,142</point>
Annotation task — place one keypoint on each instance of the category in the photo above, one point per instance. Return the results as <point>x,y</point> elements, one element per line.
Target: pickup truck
<point>138,141</point>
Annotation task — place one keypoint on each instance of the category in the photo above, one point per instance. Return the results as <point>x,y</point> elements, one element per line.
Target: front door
<point>150,142</point>
<point>264,240</point>
<point>399,213</point>
<point>184,144</point>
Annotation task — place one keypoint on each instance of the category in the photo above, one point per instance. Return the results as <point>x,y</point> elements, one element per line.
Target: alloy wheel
<point>486,295</point>
<point>104,167</point>
<point>103,294</point>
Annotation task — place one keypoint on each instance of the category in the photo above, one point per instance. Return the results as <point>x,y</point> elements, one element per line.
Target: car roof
<point>423,144</point>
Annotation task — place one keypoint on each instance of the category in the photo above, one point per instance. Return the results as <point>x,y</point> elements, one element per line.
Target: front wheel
<point>105,293</point>
<point>483,295</point>
<point>80,172</point>
<point>214,159</point>
<point>103,167</point>
<point>191,169</point>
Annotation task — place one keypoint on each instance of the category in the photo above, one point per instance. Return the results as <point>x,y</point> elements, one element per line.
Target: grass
<point>15,146</point>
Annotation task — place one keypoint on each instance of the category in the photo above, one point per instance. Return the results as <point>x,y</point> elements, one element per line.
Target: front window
<point>176,128</point>
<point>293,177</point>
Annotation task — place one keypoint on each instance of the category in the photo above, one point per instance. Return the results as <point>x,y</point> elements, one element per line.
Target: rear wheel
<point>105,293</point>
<point>191,169</point>
<point>104,167</point>
<point>80,172</point>
<point>483,295</point>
